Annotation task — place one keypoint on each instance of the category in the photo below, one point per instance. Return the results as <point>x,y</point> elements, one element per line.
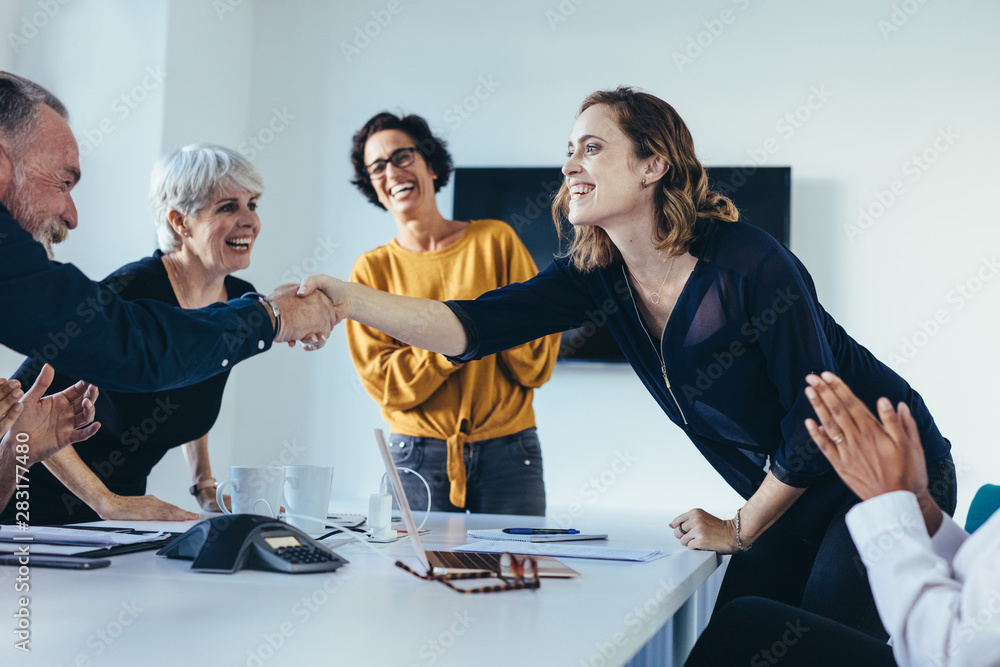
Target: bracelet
<point>739,543</point>
<point>196,488</point>
<point>270,304</point>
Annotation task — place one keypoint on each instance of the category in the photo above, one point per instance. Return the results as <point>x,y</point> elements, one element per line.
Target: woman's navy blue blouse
<point>746,330</point>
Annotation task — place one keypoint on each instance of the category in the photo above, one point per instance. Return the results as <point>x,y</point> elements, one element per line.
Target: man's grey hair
<point>19,102</point>
<point>185,180</point>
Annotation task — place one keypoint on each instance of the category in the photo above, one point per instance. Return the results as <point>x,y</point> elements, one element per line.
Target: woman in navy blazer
<point>720,322</point>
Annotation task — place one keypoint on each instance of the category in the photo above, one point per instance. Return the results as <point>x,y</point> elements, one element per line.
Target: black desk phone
<point>234,541</point>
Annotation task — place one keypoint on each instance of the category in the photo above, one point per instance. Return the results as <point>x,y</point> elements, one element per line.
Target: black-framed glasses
<point>516,574</point>
<point>401,157</point>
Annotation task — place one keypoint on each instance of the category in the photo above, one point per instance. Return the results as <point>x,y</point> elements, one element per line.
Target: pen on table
<point>541,531</point>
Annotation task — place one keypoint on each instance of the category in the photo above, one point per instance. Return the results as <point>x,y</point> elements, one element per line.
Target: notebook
<point>449,562</point>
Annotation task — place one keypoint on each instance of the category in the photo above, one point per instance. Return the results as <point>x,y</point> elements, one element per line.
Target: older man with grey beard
<point>82,327</point>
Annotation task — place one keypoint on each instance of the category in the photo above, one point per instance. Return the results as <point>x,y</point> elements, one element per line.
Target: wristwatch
<point>203,484</point>
<point>269,302</point>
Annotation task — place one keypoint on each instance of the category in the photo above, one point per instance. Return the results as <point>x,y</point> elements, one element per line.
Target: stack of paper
<point>564,551</point>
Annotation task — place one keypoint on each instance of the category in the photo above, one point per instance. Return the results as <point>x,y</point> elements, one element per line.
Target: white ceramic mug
<point>256,490</point>
<point>307,496</point>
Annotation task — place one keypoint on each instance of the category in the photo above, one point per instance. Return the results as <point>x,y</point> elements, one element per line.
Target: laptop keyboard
<point>450,559</point>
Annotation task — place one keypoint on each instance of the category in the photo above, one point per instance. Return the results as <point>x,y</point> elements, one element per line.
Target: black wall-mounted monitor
<point>522,198</point>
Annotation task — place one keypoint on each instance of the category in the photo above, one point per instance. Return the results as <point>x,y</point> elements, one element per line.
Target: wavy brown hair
<point>685,207</point>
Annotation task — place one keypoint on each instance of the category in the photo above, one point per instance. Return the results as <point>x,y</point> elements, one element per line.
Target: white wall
<point>886,95</point>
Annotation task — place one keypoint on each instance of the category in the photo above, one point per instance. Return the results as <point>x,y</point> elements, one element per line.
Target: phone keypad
<point>304,554</point>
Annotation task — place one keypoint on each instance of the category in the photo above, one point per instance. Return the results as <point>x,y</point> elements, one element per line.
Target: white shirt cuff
<point>877,524</point>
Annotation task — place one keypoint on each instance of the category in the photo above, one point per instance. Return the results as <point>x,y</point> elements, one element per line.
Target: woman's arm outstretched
<point>423,323</point>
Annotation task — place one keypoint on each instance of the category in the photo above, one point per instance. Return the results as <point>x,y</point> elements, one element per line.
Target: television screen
<point>522,198</point>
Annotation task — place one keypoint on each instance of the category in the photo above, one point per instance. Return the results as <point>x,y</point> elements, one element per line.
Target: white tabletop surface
<point>150,610</point>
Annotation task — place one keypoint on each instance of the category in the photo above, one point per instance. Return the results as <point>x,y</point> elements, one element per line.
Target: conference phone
<point>231,542</point>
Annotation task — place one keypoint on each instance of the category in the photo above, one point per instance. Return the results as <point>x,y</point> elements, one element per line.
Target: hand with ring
<point>872,456</point>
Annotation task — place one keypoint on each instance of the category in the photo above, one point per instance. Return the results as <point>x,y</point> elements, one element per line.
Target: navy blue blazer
<point>53,312</point>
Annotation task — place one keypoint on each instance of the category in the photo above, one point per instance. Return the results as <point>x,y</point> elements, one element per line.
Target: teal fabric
<point>986,502</point>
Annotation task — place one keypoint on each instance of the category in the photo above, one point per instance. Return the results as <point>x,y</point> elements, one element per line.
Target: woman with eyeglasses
<point>469,428</point>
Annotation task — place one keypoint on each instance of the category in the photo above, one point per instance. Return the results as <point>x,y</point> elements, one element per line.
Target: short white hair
<point>185,179</point>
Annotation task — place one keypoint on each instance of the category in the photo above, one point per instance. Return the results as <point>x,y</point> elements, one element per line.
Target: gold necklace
<point>654,296</point>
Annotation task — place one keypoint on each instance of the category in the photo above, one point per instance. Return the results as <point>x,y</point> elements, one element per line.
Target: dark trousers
<point>827,579</point>
<point>502,475</point>
<point>758,632</point>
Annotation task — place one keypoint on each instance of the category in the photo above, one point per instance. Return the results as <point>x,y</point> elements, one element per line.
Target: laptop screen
<point>404,504</point>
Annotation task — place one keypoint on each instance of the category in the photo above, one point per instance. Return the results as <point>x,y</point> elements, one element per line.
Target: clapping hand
<point>52,422</point>
<point>10,408</point>
<point>872,456</point>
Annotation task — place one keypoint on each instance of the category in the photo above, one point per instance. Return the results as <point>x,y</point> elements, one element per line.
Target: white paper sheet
<point>564,550</point>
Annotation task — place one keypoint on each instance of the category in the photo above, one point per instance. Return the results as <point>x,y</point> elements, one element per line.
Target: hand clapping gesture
<point>49,422</point>
<point>872,456</point>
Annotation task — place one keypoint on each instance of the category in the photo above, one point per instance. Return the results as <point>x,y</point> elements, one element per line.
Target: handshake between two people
<point>311,309</point>
<point>308,311</point>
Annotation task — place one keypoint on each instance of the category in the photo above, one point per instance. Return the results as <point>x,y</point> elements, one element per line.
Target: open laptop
<point>451,562</point>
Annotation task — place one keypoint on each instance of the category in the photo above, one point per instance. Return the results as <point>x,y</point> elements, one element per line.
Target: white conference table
<point>150,610</point>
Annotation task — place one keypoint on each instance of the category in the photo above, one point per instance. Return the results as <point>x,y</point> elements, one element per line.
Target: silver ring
<point>838,439</point>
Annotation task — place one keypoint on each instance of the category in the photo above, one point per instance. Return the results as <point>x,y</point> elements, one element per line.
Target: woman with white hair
<point>204,203</point>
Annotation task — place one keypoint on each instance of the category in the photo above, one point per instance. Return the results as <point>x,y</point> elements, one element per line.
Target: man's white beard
<point>48,232</point>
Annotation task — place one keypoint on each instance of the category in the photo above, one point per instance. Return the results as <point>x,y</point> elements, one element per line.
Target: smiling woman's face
<point>602,175</point>
<point>223,233</point>
<point>406,192</point>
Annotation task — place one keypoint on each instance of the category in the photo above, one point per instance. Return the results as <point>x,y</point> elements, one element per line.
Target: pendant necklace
<point>654,296</point>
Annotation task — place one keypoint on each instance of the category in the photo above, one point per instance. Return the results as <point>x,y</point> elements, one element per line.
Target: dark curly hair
<point>433,150</point>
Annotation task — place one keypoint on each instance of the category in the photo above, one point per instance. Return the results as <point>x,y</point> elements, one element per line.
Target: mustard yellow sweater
<point>422,393</point>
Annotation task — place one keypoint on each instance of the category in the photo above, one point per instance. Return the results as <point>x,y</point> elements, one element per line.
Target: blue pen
<point>541,531</point>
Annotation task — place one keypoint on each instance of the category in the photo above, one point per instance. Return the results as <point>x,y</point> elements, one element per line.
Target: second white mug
<point>307,496</point>
<point>256,490</point>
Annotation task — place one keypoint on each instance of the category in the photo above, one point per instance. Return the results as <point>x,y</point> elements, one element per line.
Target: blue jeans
<point>502,475</point>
